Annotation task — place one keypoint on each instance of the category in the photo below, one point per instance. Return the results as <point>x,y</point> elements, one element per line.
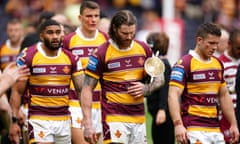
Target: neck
<point>201,56</point>
<point>15,44</point>
<point>48,52</point>
<point>88,34</point>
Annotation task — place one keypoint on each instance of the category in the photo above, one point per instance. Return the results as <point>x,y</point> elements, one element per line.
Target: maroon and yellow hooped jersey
<point>200,82</point>
<point>116,69</point>
<point>49,82</point>
<point>7,54</point>
<point>83,47</point>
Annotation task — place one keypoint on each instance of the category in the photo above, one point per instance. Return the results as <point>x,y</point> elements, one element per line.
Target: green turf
<point>149,122</point>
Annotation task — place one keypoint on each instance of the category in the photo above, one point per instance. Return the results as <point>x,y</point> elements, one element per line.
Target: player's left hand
<point>136,89</point>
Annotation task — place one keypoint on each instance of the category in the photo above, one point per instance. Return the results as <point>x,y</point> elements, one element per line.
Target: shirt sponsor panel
<point>177,74</point>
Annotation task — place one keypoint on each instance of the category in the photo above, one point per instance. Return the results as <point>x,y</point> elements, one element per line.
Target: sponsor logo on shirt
<point>58,91</point>
<point>177,74</point>
<point>53,70</point>
<point>39,70</point>
<point>5,59</point>
<point>90,50</point>
<point>199,76</point>
<point>78,52</point>
<point>114,65</point>
<point>128,63</point>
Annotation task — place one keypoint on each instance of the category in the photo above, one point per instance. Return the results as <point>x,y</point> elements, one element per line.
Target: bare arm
<point>15,101</point>
<point>6,82</point>
<point>174,94</point>
<point>86,98</point>
<point>86,104</point>
<point>228,111</point>
<point>227,105</point>
<point>18,90</point>
<point>78,83</point>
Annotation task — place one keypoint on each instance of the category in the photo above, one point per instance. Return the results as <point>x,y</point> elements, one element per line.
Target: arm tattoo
<point>156,84</point>
<point>90,81</point>
<point>78,82</point>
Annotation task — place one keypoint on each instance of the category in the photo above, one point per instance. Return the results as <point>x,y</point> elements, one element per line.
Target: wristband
<point>177,122</point>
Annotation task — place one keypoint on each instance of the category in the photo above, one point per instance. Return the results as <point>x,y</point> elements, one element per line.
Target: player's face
<point>15,32</point>
<point>89,19</point>
<point>236,48</point>
<point>124,35</point>
<point>208,45</point>
<point>51,37</point>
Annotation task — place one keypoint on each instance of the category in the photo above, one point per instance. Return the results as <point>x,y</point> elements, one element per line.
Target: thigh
<point>218,138</point>
<point>39,131</point>
<point>138,134</point>
<point>97,120</point>
<point>205,137</point>
<point>130,133</point>
<point>62,131</point>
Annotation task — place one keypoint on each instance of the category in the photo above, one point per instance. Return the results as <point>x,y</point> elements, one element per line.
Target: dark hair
<point>88,4</point>
<point>120,18</point>
<point>45,16</point>
<point>47,23</point>
<point>208,28</point>
<point>233,35</point>
<point>158,41</point>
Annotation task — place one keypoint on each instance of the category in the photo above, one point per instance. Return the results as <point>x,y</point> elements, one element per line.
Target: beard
<point>51,46</point>
<point>121,42</point>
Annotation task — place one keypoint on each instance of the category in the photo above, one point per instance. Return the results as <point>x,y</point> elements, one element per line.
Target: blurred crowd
<point>191,12</point>
<point>188,15</point>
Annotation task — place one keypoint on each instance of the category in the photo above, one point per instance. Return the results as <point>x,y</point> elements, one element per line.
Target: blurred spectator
<point>150,23</point>
<point>65,23</point>
<point>210,10</point>
<point>162,126</point>
<point>226,15</point>
<point>30,28</point>
<point>180,6</point>
<point>8,53</point>
<point>17,8</point>
<point>33,38</point>
<point>223,43</point>
<point>10,49</point>
<point>3,22</point>
<point>104,24</point>
<point>230,59</point>
<point>62,19</point>
<point>72,11</point>
<point>192,17</point>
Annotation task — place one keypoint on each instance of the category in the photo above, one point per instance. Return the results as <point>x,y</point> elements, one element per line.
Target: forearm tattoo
<point>154,85</point>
